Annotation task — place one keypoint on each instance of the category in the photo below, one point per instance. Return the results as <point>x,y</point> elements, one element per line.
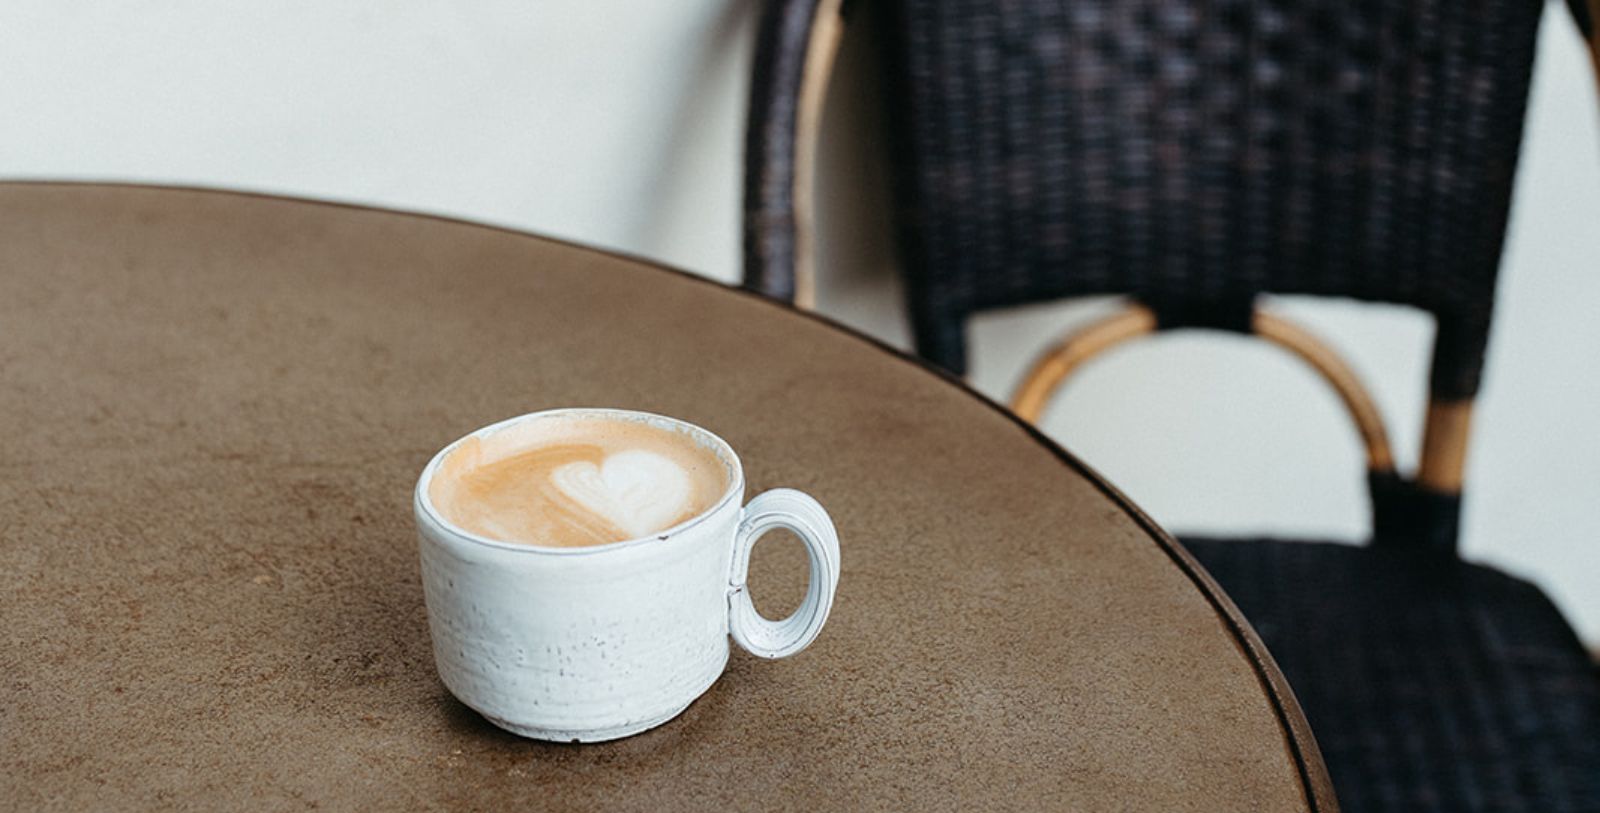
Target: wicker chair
<point>1192,154</point>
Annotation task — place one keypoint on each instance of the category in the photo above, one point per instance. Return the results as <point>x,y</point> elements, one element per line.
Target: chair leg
<point>827,30</point>
<point>796,43</point>
<point>941,340</point>
<point>1444,446</point>
<point>1594,36</point>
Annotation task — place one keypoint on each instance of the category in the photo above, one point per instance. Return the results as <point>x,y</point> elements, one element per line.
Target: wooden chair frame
<point>1444,438</point>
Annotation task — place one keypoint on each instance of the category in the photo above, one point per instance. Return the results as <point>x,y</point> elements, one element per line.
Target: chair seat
<point>1431,684</point>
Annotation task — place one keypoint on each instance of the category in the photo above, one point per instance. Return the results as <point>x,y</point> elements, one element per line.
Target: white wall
<point>619,123</point>
<point>611,121</point>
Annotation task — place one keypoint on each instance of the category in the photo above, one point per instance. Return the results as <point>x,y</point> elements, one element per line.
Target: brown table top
<point>214,407</point>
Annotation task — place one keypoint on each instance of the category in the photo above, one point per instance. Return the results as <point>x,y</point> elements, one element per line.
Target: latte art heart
<point>640,492</point>
<point>572,481</point>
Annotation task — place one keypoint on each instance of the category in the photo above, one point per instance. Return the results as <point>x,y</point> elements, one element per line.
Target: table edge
<point>1315,783</point>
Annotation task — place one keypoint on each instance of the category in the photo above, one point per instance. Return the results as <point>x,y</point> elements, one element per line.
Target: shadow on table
<point>700,726</point>
<point>462,721</point>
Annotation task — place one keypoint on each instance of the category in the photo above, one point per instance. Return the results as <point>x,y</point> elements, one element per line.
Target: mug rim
<point>425,507</point>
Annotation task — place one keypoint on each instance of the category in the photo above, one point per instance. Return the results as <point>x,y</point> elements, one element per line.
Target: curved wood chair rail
<point>1333,369</point>
<point>1052,368</point>
<point>1444,445</point>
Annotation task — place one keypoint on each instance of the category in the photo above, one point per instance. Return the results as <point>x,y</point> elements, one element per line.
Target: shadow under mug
<point>595,643</point>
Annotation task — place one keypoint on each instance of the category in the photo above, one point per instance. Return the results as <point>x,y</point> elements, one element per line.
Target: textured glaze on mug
<point>594,643</point>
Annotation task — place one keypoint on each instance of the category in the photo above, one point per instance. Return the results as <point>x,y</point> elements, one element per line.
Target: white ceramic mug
<point>595,643</point>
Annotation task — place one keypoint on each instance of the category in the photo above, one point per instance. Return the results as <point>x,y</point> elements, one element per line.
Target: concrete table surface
<point>213,408</point>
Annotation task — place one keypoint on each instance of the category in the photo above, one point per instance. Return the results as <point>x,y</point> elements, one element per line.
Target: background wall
<point>618,123</point>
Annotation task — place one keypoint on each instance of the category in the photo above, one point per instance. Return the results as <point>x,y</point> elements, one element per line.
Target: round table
<point>214,408</point>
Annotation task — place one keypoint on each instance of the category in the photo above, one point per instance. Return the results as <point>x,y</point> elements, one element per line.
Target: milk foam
<point>570,481</point>
<point>638,491</point>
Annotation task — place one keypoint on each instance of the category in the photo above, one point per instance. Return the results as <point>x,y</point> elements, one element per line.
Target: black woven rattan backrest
<point>1195,153</point>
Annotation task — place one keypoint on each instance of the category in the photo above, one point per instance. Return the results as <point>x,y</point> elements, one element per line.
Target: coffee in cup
<point>577,480</point>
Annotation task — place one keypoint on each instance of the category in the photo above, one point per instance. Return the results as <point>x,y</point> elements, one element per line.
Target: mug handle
<point>783,508</point>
